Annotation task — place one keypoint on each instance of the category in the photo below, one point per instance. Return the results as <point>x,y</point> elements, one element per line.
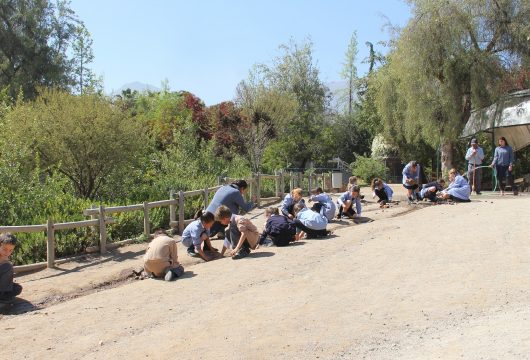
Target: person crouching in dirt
<point>458,189</point>
<point>8,289</point>
<point>429,190</point>
<point>244,236</point>
<point>196,233</point>
<point>323,203</point>
<point>346,201</point>
<point>382,191</point>
<point>160,259</point>
<point>290,200</point>
<point>279,228</point>
<point>309,222</point>
<point>412,179</point>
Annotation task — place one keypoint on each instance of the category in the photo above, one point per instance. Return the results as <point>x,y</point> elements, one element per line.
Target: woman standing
<point>503,164</point>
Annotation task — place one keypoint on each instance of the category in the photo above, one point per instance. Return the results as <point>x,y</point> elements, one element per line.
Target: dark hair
<point>441,181</point>
<point>505,141</point>
<point>375,183</point>
<point>297,208</point>
<point>222,212</point>
<point>413,163</point>
<point>206,217</point>
<point>8,238</point>
<point>241,184</point>
<point>355,188</point>
<point>317,190</point>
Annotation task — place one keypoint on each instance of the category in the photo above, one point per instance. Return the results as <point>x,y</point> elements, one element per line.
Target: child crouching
<point>279,228</point>
<point>8,289</point>
<point>161,258</point>
<point>310,222</point>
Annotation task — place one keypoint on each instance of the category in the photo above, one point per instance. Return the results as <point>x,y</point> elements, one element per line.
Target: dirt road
<point>449,281</point>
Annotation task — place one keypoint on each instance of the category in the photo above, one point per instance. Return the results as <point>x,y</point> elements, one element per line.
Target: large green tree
<point>34,39</point>
<point>84,137</point>
<point>295,72</point>
<point>450,58</point>
<point>264,112</point>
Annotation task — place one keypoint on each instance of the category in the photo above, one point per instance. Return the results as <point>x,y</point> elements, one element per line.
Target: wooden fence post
<point>282,184</point>
<point>50,244</point>
<point>102,230</point>
<point>147,227</point>
<point>277,183</point>
<point>291,182</point>
<point>205,198</point>
<point>181,211</point>
<point>258,190</point>
<point>172,211</point>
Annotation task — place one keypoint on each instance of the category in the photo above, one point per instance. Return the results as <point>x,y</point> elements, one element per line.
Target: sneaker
<point>192,253</point>
<point>241,254</point>
<point>169,276</point>
<point>267,243</point>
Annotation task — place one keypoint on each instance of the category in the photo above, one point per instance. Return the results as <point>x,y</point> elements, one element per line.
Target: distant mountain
<point>136,85</point>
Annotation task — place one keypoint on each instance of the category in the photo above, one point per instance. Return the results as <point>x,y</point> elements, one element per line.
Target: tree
<point>294,72</point>
<point>34,39</point>
<point>83,137</point>
<point>263,111</point>
<point>84,77</point>
<point>450,58</point>
<point>349,71</point>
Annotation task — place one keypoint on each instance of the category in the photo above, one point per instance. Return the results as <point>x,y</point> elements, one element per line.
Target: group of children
<point>458,190</point>
<point>292,221</point>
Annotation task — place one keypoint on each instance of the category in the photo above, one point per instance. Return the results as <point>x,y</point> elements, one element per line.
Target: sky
<point>208,47</point>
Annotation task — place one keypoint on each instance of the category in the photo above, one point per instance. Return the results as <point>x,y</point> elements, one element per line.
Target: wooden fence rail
<point>176,200</point>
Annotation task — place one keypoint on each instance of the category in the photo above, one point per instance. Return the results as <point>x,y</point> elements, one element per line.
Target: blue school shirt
<point>347,196</point>
<point>192,234</point>
<point>388,190</point>
<point>503,156</point>
<point>475,159</point>
<point>459,188</point>
<point>288,201</point>
<point>328,208</point>
<point>407,173</point>
<point>312,219</point>
<point>229,196</point>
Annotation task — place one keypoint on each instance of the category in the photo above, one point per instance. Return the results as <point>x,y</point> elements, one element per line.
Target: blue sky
<point>208,47</point>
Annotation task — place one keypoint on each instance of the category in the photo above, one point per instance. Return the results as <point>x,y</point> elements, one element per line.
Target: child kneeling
<point>242,236</point>
<point>279,228</point>
<point>309,222</point>
<point>8,289</point>
<point>161,258</point>
<point>197,233</point>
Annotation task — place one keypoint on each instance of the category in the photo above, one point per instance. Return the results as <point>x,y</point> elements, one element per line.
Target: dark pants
<point>474,177</point>
<point>430,195</point>
<point>310,232</point>
<point>504,176</point>
<point>456,199</point>
<point>350,212</point>
<point>381,194</point>
<point>8,289</point>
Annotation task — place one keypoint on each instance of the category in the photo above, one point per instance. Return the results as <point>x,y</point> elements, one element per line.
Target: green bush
<point>368,168</point>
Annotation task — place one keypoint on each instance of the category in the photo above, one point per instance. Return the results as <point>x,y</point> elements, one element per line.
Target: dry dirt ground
<point>445,281</point>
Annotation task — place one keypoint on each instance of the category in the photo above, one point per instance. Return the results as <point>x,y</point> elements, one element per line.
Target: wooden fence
<point>99,215</point>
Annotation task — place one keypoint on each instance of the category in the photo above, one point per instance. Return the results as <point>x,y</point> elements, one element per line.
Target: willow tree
<point>451,57</point>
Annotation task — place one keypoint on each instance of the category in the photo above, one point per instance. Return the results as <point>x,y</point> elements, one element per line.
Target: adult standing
<point>474,156</point>
<point>503,164</point>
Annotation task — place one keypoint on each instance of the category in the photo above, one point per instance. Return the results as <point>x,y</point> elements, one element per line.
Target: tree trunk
<point>446,157</point>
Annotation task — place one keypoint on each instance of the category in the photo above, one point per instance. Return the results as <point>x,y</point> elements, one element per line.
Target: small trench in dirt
<point>21,306</point>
